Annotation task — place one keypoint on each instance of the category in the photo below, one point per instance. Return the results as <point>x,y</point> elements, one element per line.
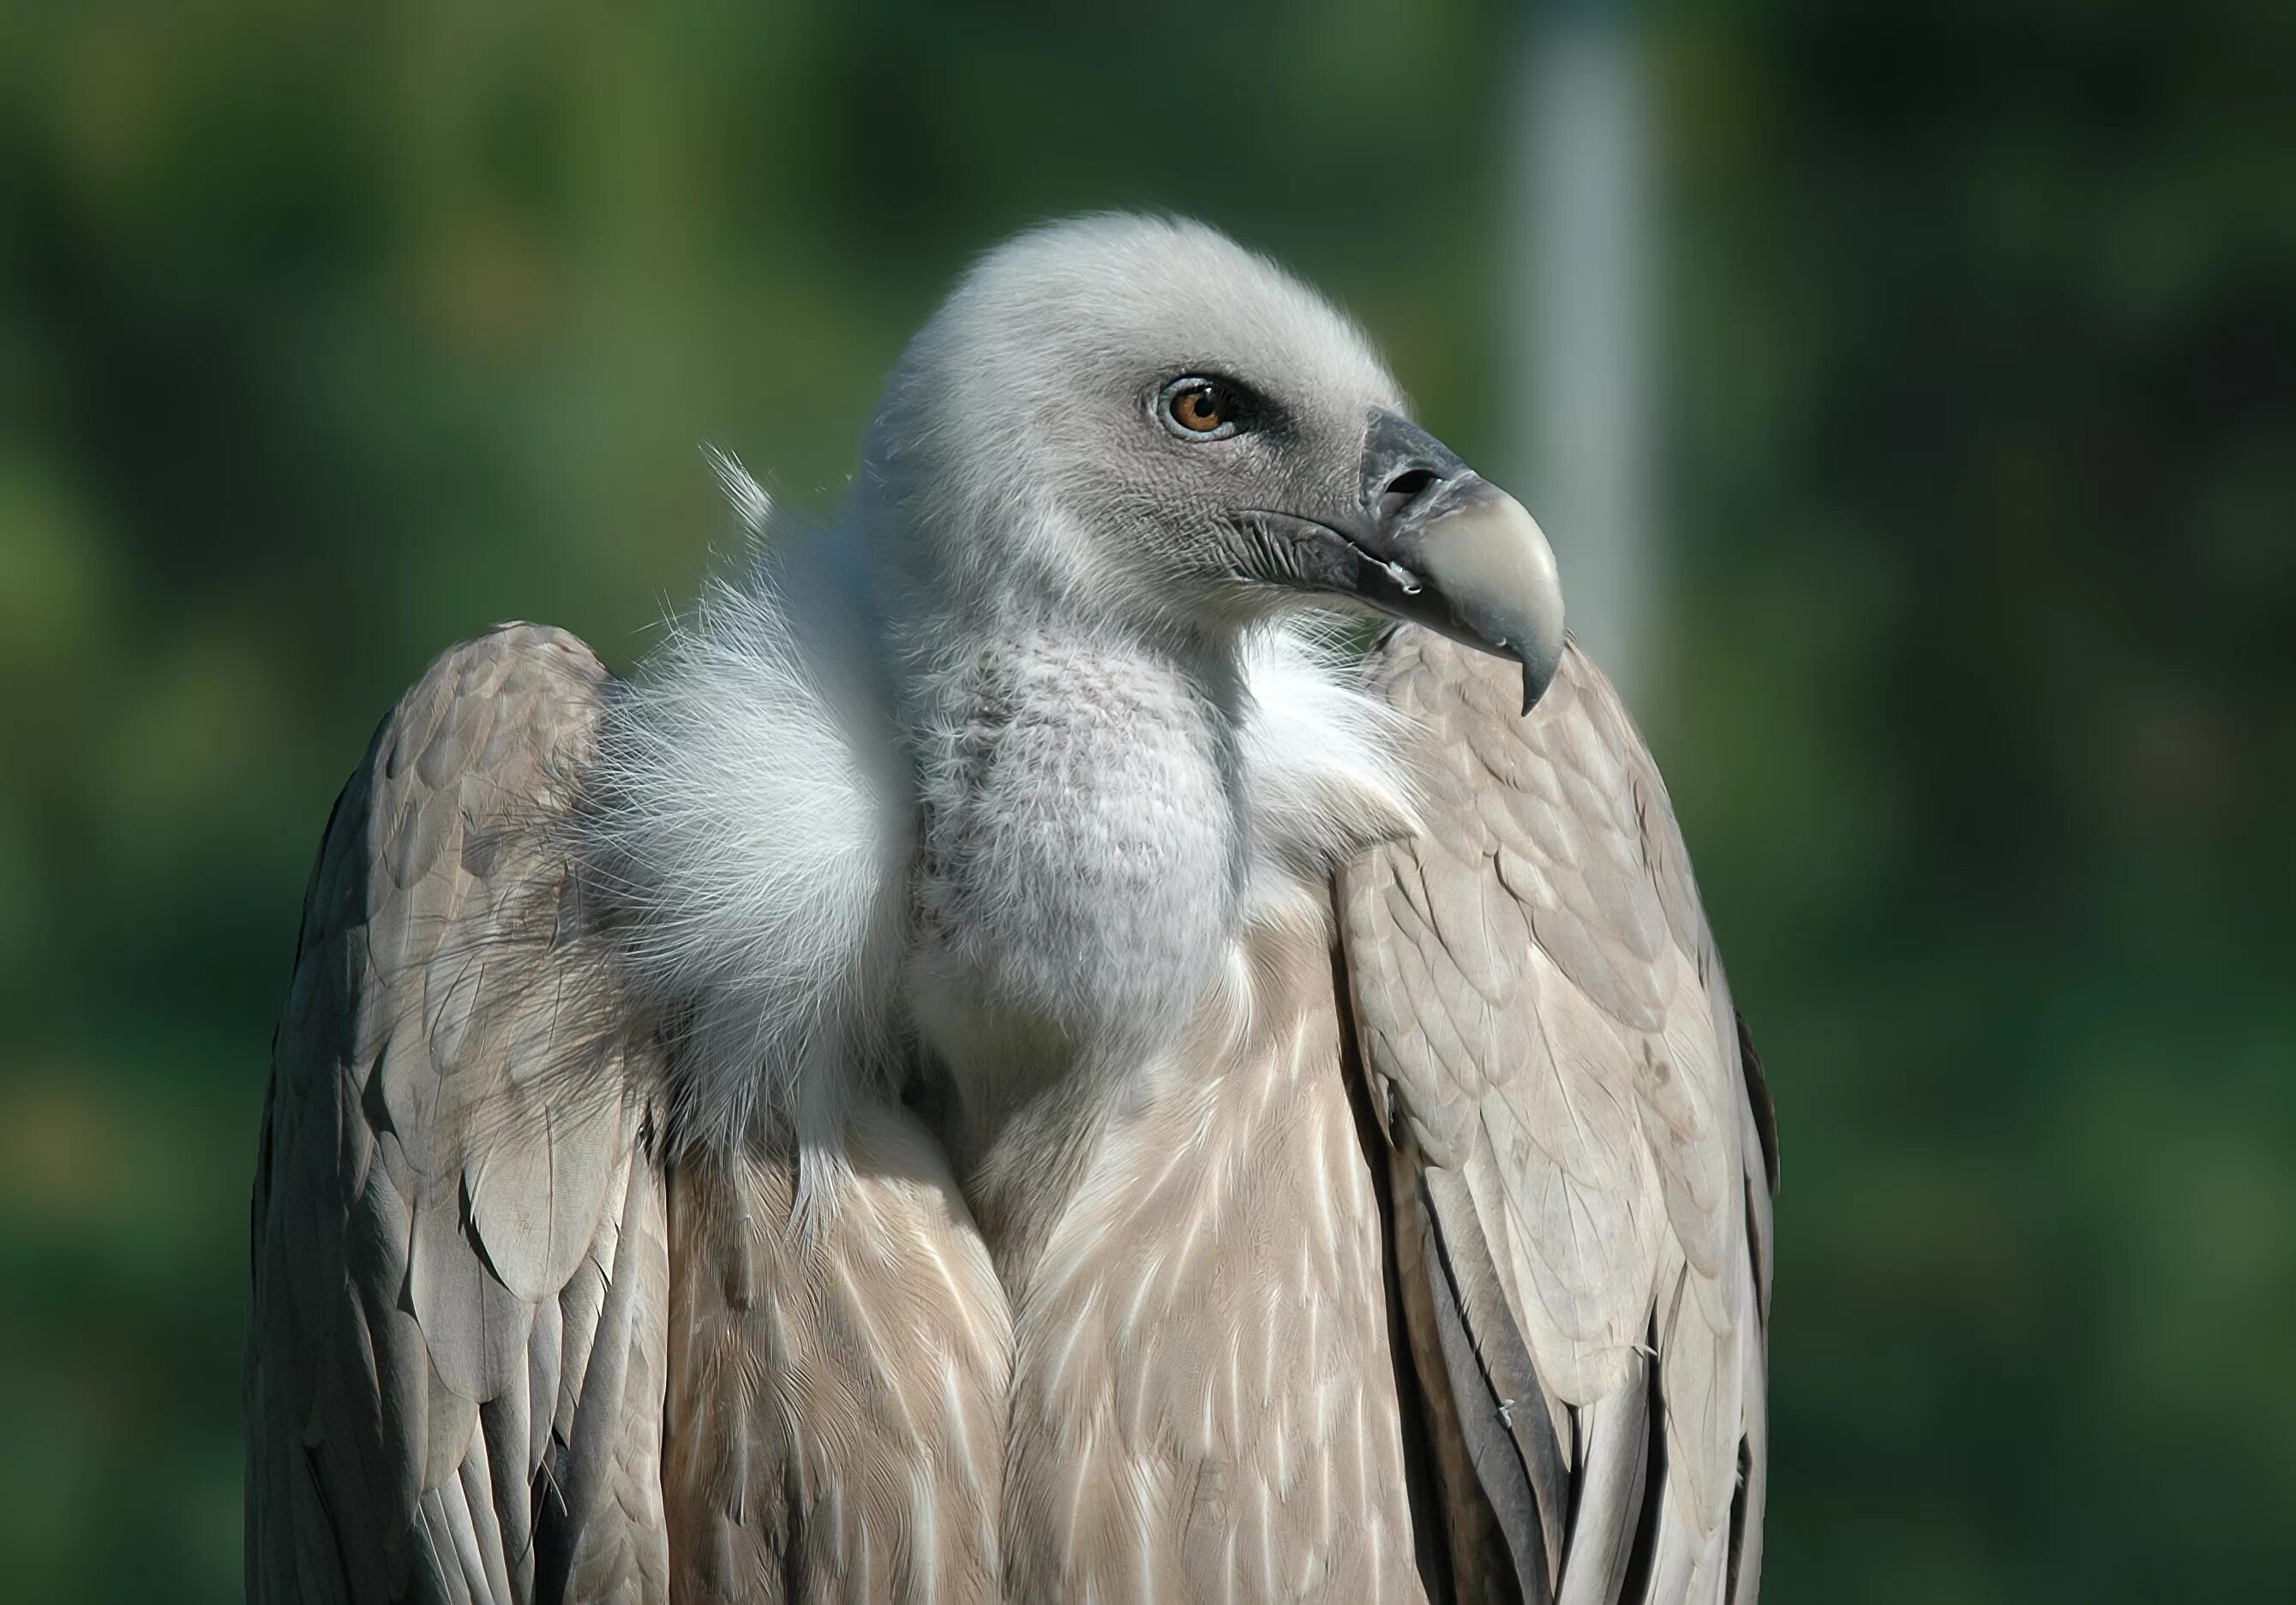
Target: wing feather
<point>1574,1107</point>
<point>442,1325</point>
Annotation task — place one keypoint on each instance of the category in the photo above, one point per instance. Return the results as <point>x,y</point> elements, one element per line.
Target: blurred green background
<point>327,340</point>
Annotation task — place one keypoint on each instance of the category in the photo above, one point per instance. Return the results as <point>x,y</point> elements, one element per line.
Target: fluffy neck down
<point>1044,851</point>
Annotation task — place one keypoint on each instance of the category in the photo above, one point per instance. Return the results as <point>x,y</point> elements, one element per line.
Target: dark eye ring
<point>1196,408</point>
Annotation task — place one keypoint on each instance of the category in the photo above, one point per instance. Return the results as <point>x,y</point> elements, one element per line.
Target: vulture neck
<point>1117,804</point>
<point>1082,879</point>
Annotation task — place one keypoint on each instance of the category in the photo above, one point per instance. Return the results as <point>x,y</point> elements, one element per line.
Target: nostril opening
<point>1404,489</point>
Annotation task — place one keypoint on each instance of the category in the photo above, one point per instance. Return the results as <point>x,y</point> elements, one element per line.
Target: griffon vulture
<point>1002,1065</point>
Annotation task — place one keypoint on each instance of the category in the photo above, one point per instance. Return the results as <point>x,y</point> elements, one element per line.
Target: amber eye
<point>1201,409</point>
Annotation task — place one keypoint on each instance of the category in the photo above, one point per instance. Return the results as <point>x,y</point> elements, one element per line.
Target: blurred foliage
<point>326,340</point>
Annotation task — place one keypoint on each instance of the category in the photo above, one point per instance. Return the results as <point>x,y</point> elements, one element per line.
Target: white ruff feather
<point>754,824</point>
<point>1322,778</point>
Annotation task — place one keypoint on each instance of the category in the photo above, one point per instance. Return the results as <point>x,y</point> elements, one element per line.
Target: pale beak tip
<point>1493,566</point>
<point>1538,671</point>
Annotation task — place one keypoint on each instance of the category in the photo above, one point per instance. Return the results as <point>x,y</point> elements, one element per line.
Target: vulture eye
<point>1196,408</point>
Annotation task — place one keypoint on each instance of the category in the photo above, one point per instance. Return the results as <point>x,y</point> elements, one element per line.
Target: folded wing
<point>455,1363</point>
<point>1580,1151</point>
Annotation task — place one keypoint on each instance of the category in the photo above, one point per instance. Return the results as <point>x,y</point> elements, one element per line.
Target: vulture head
<point>1139,417</point>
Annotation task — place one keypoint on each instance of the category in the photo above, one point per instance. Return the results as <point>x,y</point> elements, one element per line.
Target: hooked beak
<point>1438,545</point>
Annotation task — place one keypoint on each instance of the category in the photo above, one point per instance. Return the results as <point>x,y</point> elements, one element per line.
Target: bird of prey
<point>1003,1063</point>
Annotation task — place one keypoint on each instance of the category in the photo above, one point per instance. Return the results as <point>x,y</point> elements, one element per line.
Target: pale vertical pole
<point>1580,279</point>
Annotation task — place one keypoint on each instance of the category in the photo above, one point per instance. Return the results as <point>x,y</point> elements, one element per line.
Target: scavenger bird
<point>1005,1062</point>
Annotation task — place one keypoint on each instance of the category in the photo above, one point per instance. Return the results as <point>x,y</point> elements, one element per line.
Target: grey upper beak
<point>1448,549</point>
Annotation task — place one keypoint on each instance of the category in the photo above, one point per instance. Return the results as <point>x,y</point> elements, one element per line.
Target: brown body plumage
<point>772,1414</point>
